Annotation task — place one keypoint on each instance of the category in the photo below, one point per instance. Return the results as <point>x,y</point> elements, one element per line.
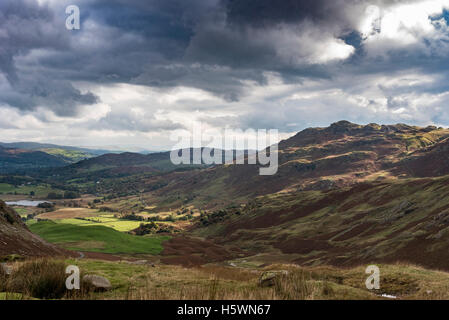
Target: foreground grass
<point>217,282</point>
<point>11,296</point>
<point>163,282</point>
<point>97,239</point>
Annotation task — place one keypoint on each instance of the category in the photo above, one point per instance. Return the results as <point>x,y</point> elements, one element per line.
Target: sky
<point>138,71</point>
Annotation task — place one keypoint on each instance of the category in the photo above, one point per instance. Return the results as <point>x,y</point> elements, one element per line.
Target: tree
<point>71,195</point>
<point>54,195</point>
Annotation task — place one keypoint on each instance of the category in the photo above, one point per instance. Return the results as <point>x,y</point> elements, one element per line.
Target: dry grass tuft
<point>40,278</point>
<point>3,279</point>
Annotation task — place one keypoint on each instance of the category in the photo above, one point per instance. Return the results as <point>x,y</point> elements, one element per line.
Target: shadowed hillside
<point>15,238</point>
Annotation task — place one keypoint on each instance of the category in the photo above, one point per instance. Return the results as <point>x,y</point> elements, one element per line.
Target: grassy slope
<point>96,238</point>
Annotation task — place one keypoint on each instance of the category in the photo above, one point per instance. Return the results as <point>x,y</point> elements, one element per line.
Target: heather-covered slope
<point>382,221</point>
<point>15,238</point>
<point>343,195</point>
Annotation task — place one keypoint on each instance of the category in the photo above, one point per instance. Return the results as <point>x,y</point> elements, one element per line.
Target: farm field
<point>96,238</point>
<point>69,213</point>
<point>89,217</point>
<point>104,220</point>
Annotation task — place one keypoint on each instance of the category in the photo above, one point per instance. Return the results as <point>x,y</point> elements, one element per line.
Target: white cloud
<point>403,25</point>
<point>304,44</point>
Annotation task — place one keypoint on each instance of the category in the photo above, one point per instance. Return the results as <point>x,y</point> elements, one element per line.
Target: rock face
<point>97,283</point>
<point>15,238</point>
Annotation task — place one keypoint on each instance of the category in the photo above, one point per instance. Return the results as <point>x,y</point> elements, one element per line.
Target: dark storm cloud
<point>216,45</point>
<point>27,26</point>
<point>23,25</point>
<point>155,43</point>
<point>340,14</point>
<point>262,13</point>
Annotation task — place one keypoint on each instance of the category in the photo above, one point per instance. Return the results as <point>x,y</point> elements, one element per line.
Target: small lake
<point>25,203</point>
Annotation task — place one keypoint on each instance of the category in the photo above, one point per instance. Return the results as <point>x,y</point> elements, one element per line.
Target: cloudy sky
<point>138,70</point>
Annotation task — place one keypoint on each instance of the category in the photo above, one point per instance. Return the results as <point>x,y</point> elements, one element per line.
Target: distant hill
<point>151,162</point>
<point>111,165</point>
<point>68,154</point>
<point>16,160</point>
<point>38,146</point>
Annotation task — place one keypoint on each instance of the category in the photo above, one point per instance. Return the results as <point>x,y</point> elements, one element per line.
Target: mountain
<point>343,195</point>
<point>340,155</point>
<point>319,159</point>
<point>15,238</point>
<point>14,160</point>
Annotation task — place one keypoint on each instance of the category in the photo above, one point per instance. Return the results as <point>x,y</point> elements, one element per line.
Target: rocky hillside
<point>15,238</point>
<point>343,195</point>
<point>319,159</point>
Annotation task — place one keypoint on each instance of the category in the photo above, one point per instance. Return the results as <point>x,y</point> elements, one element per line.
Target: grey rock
<point>97,283</point>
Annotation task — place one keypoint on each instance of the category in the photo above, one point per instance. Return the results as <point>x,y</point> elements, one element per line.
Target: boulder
<point>268,278</point>
<point>97,283</point>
